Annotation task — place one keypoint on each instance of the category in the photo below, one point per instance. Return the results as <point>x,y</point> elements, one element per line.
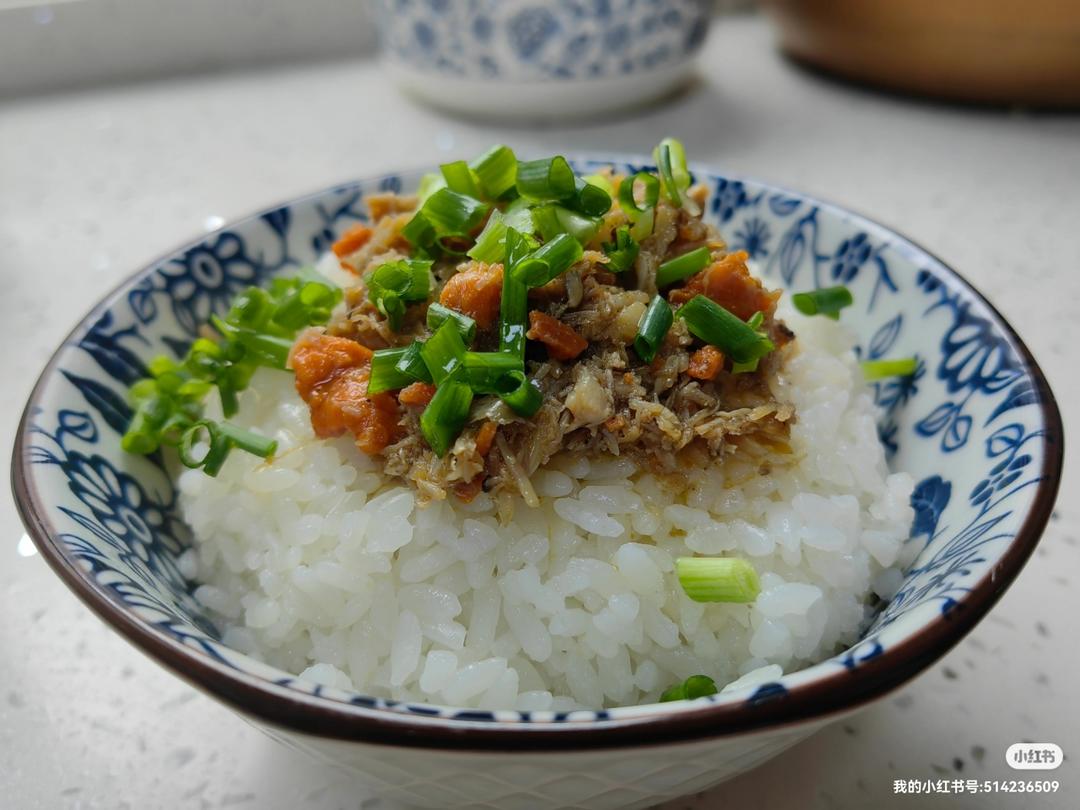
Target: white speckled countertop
<point>96,183</point>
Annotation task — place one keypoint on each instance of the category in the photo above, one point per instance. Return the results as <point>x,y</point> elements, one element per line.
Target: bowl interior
<point>975,426</point>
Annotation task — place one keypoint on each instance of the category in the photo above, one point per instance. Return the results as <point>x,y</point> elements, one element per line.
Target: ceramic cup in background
<point>528,59</point>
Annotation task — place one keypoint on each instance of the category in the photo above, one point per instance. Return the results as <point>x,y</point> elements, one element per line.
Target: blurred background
<point>130,126</point>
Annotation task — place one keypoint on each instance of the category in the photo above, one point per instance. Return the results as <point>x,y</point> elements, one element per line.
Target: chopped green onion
<point>520,393</point>
<point>547,179</point>
<point>514,305</point>
<point>683,266</point>
<point>491,243</point>
<point>670,157</point>
<point>392,308</point>
<point>667,175</point>
<point>715,325</point>
<point>258,330</point>
<point>217,448</point>
<point>590,200</point>
<point>718,579</point>
<point>548,262</point>
<point>385,375</point>
<point>247,441</point>
<point>264,349</point>
<point>881,369</point>
<point>392,284</point>
<point>695,686</point>
<point>412,362</point>
<point>305,305</point>
<point>429,184</point>
<point>251,308</point>
<point>755,322</point>
<point>419,232</point>
<point>222,437</point>
<point>496,171</point>
<point>552,220</point>
<point>485,370</point>
<point>443,352</point>
<point>827,301</point>
<point>652,328</point>
<point>460,178</point>
<point>437,315</point>
<point>518,215</point>
<point>601,181</point>
<point>651,194</point>
<point>454,214</point>
<point>623,252</point>
<point>518,245</point>
<point>143,435</point>
<point>642,217</point>
<point>409,278</point>
<point>444,417</point>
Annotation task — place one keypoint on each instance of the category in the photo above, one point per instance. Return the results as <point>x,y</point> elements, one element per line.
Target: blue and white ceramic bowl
<point>977,427</point>
<point>540,60</point>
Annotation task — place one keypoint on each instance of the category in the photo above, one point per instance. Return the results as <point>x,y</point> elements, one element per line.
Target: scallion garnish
<point>652,328</point>
<point>393,284</point>
<point>437,315</point>
<point>695,686</point>
<point>258,330</point>
<point>552,220</point>
<point>490,245</point>
<point>667,176</point>
<point>443,352</point>
<point>484,370</point>
<point>412,362</point>
<point>827,301</point>
<point>547,262</point>
<point>601,181</point>
<point>496,171</point>
<point>650,196</point>
<point>520,393</point>
<point>419,232</point>
<point>460,178</point>
<point>429,184</point>
<point>454,214</point>
<point>682,266</point>
<point>882,369</point>
<point>385,374</point>
<point>623,252</point>
<point>514,304</point>
<point>715,325</point>
<point>641,216</point>
<point>444,417</point>
<point>546,179</point>
<point>221,439</point>
<point>670,157</point>
<point>589,199</point>
<point>263,348</point>
<point>718,579</point>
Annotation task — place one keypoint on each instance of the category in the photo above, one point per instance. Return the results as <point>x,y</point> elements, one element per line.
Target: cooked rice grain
<point>320,565</point>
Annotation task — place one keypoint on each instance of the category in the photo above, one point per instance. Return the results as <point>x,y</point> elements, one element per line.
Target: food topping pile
<point>512,310</point>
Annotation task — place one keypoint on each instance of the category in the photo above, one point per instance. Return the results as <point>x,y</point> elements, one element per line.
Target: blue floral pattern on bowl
<point>529,41</point>
<point>972,425</point>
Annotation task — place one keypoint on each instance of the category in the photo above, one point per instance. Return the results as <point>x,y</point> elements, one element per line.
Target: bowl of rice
<point>562,483</point>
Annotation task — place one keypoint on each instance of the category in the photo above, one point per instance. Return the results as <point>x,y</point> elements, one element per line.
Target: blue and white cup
<point>535,60</point>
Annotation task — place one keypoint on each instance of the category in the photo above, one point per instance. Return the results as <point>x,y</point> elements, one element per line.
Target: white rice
<point>320,565</point>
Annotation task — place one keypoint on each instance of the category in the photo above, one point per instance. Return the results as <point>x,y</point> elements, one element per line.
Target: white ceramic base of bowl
<point>613,779</point>
<point>541,100</point>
